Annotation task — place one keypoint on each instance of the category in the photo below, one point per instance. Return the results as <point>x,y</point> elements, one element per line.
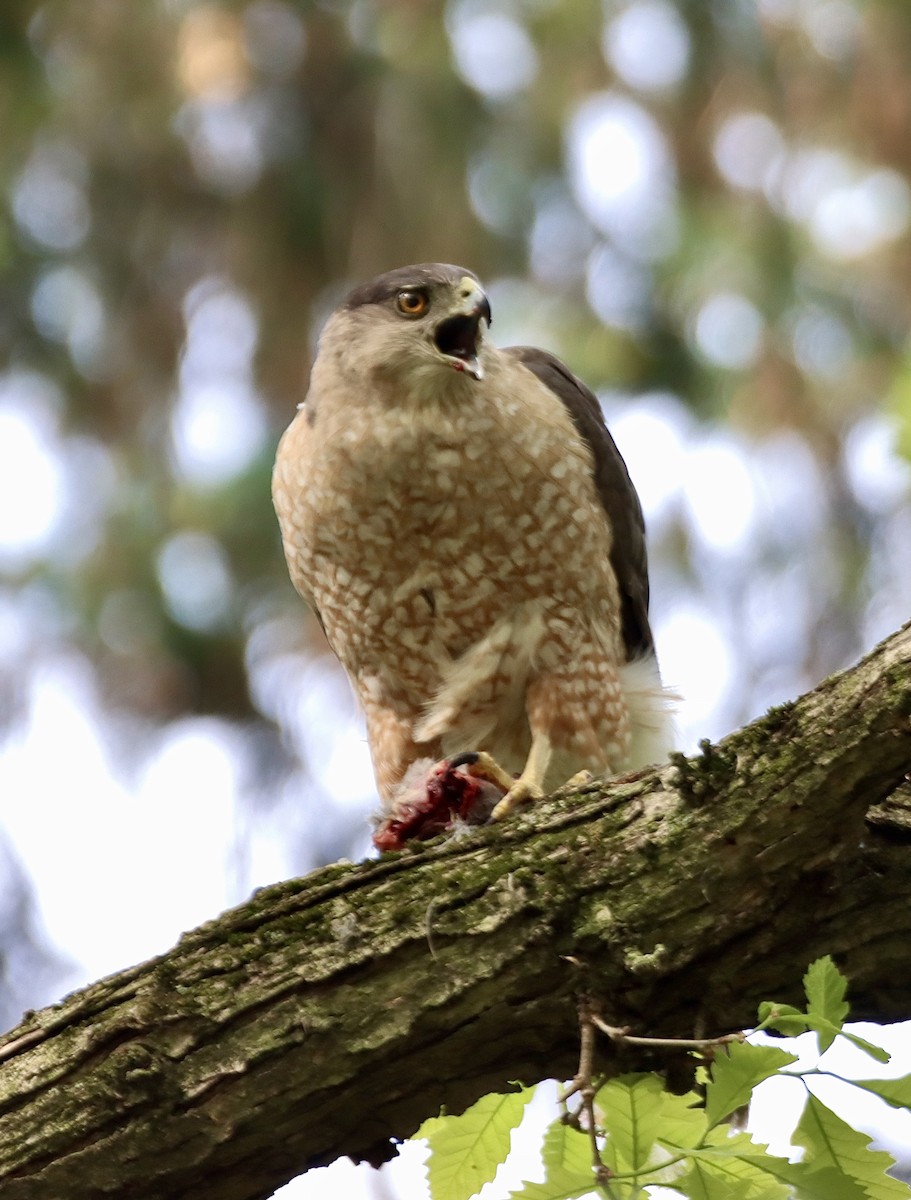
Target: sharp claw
<point>580,779</point>
<point>485,766</point>
<point>480,763</point>
<point>520,793</point>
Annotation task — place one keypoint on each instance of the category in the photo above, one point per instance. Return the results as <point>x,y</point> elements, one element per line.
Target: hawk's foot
<point>580,779</point>
<point>521,792</point>
<point>518,791</point>
<point>484,766</point>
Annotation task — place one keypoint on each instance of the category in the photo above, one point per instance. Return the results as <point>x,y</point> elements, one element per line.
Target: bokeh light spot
<point>651,433</point>
<point>822,342</point>
<point>492,50</point>
<point>720,495</point>
<point>749,150</point>
<point>728,330</point>
<point>697,661</point>
<point>66,308</point>
<point>618,288</point>
<point>48,198</point>
<point>879,477</point>
<point>211,57</point>
<point>196,581</point>
<point>275,39</point>
<point>218,425</point>
<point>648,45</point>
<point>621,173</point>
<point>855,220</point>
<point>32,493</point>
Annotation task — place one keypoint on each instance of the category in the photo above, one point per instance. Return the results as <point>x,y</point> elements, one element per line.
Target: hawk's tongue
<point>457,337</point>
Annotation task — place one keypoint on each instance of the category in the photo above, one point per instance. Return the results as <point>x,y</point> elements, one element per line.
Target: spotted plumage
<point>463,525</point>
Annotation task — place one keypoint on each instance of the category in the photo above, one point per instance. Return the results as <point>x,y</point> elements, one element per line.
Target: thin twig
<point>622,1036</point>
<point>583,1084</point>
<point>587,1092</point>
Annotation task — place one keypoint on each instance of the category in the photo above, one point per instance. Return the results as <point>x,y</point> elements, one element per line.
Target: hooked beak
<point>458,337</point>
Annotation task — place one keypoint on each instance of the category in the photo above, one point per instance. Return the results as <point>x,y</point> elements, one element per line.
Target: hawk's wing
<point>615,489</point>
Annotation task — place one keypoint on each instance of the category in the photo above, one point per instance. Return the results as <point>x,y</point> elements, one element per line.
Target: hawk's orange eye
<point>413,303</point>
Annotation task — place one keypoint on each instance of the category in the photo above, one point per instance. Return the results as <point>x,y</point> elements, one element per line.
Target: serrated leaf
<point>896,1092</point>
<point>877,1052</point>
<point>683,1121</point>
<point>566,1149</point>
<point>734,1180</point>
<point>783,1018</point>
<point>830,1141</point>
<point>630,1108</point>
<point>826,988</point>
<point>466,1151</point>
<point>735,1074</point>
<point>808,1181</point>
<point>827,1031</point>
<point>703,1183</point>
<point>741,1161</point>
<point>744,1158</point>
<point>559,1185</point>
<point>562,1185</point>
<point>567,1158</point>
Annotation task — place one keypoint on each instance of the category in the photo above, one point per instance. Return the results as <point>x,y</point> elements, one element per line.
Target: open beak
<point>459,337</point>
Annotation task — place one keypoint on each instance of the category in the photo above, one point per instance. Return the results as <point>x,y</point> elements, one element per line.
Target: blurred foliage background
<point>703,207</point>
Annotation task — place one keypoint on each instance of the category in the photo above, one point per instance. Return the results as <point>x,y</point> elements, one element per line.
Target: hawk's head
<point>415,321</point>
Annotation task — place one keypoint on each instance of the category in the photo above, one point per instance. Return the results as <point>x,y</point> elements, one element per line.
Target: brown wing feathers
<point>615,489</point>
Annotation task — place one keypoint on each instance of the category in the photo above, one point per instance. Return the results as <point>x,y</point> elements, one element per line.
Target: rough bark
<point>330,1014</point>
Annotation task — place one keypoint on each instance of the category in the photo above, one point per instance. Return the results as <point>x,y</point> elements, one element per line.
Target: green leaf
<point>826,988</point>
<point>896,1092</point>
<point>740,1163</point>
<point>466,1151</point>
<point>566,1154</point>
<point>830,1141</point>
<point>734,1179</point>
<point>807,1180</point>
<point>783,1018</point>
<point>736,1072</point>
<point>742,1158</point>
<point>702,1182</point>
<point>683,1122</point>
<point>827,1031</point>
<point>631,1108</point>
<point>562,1185</point>
<point>566,1149</point>
<point>870,1048</point>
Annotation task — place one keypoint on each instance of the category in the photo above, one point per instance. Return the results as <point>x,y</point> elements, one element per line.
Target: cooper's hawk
<point>465,529</point>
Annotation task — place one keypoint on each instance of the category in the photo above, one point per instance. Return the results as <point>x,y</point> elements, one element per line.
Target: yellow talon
<point>521,792</point>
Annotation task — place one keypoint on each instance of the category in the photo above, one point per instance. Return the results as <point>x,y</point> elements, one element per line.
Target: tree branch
<point>330,1014</point>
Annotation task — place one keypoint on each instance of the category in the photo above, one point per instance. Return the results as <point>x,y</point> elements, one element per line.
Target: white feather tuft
<point>651,711</point>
